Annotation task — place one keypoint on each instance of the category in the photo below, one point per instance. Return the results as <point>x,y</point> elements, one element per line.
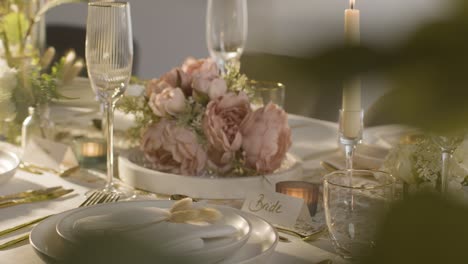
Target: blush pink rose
<point>221,125</point>
<point>173,148</point>
<point>266,138</point>
<point>174,78</point>
<point>169,101</point>
<point>191,64</point>
<point>155,86</point>
<point>205,77</point>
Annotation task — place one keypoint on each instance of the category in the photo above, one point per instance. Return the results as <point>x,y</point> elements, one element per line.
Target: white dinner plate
<point>211,248</point>
<point>50,246</point>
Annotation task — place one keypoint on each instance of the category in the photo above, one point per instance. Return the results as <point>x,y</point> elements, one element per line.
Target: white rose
<point>8,79</point>
<point>7,110</point>
<point>8,82</point>
<point>170,101</point>
<point>217,88</point>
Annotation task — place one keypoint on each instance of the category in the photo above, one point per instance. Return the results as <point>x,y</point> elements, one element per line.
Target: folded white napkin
<point>119,220</point>
<point>147,225</point>
<point>366,157</point>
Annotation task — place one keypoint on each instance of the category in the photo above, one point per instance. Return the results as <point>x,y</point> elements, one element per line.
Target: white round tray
<point>135,174</point>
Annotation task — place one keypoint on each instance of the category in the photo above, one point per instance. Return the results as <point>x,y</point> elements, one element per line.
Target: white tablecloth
<point>313,140</point>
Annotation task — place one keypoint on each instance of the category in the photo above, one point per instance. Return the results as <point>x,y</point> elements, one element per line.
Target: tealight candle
<point>93,149</point>
<point>307,191</point>
<point>90,151</point>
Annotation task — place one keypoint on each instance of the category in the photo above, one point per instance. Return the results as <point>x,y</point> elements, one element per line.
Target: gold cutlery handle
<point>14,242</point>
<point>18,227</point>
<point>8,203</point>
<point>26,168</point>
<point>37,198</point>
<point>29,193</point>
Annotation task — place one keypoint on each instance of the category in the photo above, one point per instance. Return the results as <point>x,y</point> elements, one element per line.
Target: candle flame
<point>352,3</point>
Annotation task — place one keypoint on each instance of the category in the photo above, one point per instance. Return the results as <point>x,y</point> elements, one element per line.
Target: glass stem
<point>349,153</point>
<point>109,112</point>
<point>446,157</point>
<point>221,66</point>
<point>4,135</point>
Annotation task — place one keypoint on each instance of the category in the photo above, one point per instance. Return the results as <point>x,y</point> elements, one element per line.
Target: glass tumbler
<point>353,206</point>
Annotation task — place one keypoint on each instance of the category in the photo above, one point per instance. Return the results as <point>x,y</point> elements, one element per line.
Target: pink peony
<point>221,125</point>
<point>173,148</point>
<point>266,138</point>
<point>169,101</point>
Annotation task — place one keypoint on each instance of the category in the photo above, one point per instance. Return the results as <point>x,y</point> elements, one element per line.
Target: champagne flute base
<point>123,191</point>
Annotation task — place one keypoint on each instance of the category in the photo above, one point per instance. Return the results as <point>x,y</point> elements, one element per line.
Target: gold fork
<point>306,238</point>
<point>97,197</point>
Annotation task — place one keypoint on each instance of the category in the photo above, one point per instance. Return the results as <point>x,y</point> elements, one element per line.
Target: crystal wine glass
<point>109,59</point>
<point>447,143</point>
<point>226,30</point>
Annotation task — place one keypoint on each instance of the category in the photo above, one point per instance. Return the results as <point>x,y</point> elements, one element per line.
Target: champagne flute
<point>109,59</point>
<point>226,30</point>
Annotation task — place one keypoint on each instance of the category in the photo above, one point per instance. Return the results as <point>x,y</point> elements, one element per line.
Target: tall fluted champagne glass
<point>109,59</point>
<point>226,30</point>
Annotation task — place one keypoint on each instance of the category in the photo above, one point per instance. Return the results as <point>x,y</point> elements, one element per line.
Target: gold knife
<point>36,169</point>
<point>328,166</point>
<point>26,168</point>
<point>38,198</point>
<point>29,193</point>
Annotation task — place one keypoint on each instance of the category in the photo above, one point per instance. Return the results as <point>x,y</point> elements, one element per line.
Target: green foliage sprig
<point>45,85</point>
<point>144,117</point>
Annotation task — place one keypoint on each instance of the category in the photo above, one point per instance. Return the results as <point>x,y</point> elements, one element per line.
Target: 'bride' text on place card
<point>276,207</point>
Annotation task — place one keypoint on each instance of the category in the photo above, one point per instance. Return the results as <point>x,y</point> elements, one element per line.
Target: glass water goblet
<point>447,143</point>
<point>226,30</point>
<point>109,59</point>
<point>353,208</point>
<point>267,92</point>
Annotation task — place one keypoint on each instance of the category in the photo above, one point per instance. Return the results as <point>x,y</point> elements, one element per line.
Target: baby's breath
<point>192,118</point>
<point>236,81</point>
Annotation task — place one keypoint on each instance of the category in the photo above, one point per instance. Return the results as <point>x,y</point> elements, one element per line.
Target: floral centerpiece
<point>417,164</point>
<point>193,121</point>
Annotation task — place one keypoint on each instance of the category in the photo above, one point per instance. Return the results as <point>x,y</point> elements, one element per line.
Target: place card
<point>277,208</point>
<point>49,154</point>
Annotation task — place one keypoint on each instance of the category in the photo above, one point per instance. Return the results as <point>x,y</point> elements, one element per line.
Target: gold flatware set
<point>95,198</point>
